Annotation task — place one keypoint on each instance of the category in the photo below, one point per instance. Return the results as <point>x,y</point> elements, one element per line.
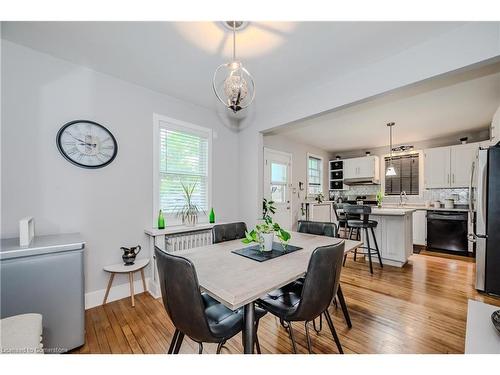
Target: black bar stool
<point>352,211</point>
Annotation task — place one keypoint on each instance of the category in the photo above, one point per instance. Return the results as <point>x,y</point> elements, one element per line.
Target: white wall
<point>112,206</point>
<point>299,153</point>
<point>460,48</point>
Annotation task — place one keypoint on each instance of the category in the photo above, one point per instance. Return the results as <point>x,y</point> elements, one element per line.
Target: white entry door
<point>277,181</point>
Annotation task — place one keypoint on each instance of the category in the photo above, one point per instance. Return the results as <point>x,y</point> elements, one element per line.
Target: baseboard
<point>116,292</point>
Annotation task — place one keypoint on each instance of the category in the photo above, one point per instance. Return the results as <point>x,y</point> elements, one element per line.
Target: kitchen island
<point>394,234</point>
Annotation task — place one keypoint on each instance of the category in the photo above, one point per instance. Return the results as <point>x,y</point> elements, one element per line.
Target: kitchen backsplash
<point>428,194</point>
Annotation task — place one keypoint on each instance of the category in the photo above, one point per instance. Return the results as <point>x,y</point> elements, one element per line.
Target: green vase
<point>211,216</point>
<point>161,220</point>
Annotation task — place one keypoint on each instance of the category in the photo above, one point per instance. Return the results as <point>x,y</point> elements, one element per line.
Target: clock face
<point>87,144</point>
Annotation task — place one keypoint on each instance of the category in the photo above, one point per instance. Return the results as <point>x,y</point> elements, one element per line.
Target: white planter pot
<point>267,239</point>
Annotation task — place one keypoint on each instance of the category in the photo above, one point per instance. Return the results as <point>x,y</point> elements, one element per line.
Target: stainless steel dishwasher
<point>447,230</point>
<point>46,277</point>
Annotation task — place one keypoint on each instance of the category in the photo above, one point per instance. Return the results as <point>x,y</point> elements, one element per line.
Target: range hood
<point>361,181</point>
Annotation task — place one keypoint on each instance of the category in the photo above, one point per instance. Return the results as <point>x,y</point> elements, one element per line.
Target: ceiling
<point>438,108</point>
<point>179,58</point>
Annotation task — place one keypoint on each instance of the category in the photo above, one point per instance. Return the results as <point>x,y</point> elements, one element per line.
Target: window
<point>278,182</point>
<point>183,155</point>
<point>314,175</point>
<point>406,178</point>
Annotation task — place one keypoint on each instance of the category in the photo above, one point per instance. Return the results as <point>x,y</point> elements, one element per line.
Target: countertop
<point>9,248</point>
<point>389,211</point>
<point>481,336</point>
<point>421,207</point>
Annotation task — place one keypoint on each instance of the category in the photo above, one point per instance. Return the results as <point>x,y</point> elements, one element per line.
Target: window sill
<point>177,229</point>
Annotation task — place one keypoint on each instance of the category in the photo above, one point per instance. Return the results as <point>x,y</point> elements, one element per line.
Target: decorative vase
<point>211,216</point>
<point>161,220</point>
<point>190,220</point>
<point>267,241</point>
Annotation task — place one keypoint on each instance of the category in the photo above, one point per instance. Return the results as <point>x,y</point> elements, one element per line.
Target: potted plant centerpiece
<point>263,234</point>
<point>189,211</point>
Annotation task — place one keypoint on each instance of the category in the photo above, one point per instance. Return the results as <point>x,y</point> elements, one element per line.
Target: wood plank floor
<point>420,308</point>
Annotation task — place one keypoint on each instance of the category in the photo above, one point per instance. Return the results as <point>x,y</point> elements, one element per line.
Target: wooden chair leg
<point>111,277</point>
<point>143,280</point>
<point>131,281</point>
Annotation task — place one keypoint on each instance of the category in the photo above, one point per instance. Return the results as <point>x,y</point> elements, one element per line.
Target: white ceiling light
<point>390,170</point>
<point>238,87</point>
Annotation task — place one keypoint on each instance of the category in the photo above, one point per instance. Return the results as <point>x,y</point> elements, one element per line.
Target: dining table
<point>238,282</point>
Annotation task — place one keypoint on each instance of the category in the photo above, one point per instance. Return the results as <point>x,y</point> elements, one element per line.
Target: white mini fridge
<point>46,277</point>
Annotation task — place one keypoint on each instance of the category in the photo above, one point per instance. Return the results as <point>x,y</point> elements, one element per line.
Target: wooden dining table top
<point>236,281</point>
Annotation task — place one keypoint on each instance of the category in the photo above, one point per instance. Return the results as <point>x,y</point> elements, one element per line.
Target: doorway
<point>277,182</point>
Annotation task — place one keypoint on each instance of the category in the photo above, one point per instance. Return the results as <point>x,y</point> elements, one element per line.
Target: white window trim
<point>322,176</point>
<point>180,125</point>
<point>420,173</point>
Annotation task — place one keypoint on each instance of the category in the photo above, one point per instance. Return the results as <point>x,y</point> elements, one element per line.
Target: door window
<point>278,182</point>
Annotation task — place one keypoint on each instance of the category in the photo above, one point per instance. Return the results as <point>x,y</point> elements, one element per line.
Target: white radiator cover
<point>184,241</point>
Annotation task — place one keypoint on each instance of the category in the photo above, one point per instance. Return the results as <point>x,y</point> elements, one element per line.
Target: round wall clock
<point>86,144</point>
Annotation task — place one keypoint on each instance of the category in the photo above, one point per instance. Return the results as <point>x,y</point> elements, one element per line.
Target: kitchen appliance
<point>486,233</point>
<point>447,230</point>
<point>436,204</point>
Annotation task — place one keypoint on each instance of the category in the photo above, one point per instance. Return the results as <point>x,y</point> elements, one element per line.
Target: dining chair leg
<point>350,234</point>
<point>320,324</point>
<point>308,337</point>
<point>355,253</point>
<point>178,343</point>
<point>343,305</point>
<point>292,338</point>
<point>220,345</point>
<point>334,333</point>
<point>369,250</point>
<point>200,348</point>
<point>345,258</point>
<point>257,343</point>
<point>174,339</point>
<point>376,247</point>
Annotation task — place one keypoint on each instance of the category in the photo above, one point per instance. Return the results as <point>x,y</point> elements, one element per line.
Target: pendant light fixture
<point>238,86</point>
<point>390,170</point>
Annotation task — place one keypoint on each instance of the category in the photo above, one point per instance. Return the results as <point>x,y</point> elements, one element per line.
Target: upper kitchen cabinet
<point>363,169</point>
<point>446,167</point>
<point>437,167</point>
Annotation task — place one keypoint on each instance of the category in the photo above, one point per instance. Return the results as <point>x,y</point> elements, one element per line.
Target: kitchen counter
<point>421,207</point>
<point>392,211</point>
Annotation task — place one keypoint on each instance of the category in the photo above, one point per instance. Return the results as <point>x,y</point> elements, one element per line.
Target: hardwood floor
<point>420,308</point>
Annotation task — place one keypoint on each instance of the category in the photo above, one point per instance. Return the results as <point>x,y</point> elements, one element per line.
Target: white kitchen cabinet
<point>449,167</point>
<point>321,212</point>
<point>394,234</point>
<point>366,167</point>
<point>462,157</point>
<point>437,167</point>
<point>420,227</point>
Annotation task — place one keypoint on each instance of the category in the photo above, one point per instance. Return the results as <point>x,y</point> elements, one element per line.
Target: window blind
<point>183,160</point>
<point>313,175</point>
<point>406,178</point>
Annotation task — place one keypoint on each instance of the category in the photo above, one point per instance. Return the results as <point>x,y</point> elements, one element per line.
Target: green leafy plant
<point>189,211</point>
<point>268,209</point>
<point>267,227</point>
<point>379,198</point>
<point>320,197</point>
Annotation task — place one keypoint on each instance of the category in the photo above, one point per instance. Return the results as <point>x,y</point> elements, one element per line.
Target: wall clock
<point>86,144</point>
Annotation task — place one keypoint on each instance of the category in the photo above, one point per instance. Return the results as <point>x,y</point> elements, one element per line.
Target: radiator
<point>188,240</point>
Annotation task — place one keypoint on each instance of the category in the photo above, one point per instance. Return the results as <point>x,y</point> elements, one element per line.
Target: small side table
<point>113,269</point>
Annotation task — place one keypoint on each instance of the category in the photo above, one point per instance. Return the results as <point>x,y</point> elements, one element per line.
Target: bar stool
<point>363,223</point>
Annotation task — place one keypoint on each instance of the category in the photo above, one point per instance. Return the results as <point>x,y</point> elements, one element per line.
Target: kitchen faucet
<point>401,195</point>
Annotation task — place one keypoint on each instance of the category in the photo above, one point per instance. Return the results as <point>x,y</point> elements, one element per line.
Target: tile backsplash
<point>462,195</point>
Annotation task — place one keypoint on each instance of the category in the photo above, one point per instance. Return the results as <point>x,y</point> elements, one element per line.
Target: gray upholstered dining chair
<point>306,301</point>
<point>228,232</point>
<point>194,314</point>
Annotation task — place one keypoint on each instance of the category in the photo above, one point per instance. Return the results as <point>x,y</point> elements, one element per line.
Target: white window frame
<point>179,125</point>
<point>322,174</point>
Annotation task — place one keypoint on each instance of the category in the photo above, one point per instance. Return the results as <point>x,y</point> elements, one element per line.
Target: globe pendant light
<point>390,170</point>
<point>238,86</point>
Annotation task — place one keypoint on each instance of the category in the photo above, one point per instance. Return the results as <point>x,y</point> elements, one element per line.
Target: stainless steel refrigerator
<point>487,225</point>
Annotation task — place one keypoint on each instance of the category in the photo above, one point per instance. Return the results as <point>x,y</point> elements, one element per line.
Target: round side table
<point>113,269</point>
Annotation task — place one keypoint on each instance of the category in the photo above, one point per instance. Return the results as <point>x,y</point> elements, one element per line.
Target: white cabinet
<point>366,167</point>
<point>495,128</point>
<point>321,212</point>
<point>394,234</point>
<point>446,167</point>
<point>437,167</point>
<point>462,157</point>
<point>420,227</point>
